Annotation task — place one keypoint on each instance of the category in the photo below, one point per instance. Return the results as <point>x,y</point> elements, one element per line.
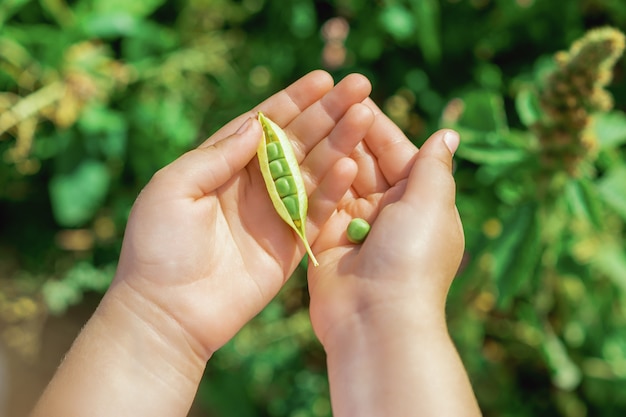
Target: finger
<point>392,149</point>
<point>385,156</point>
<point>283,106</point>
<point>340,143</point>
<point>370,179</point>
<point>319,119</point>
<point>430,180</point>
<point>323,201</point>
<point>202,170</point>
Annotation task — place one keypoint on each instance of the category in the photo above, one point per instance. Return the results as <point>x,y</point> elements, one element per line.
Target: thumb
<point>431,178</point>
<point>204,169</point>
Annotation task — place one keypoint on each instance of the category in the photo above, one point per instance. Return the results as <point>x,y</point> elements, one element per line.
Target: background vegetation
<point>96,95</point>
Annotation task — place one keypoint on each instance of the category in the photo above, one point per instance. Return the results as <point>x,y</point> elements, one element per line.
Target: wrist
<point>129,359</point>
<point>374,308</point>
<point>137,322</point>
<point>378,326</point>
<point>396,364</point>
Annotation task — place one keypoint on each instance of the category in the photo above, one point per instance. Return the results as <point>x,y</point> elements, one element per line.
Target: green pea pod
<point>283,179</point>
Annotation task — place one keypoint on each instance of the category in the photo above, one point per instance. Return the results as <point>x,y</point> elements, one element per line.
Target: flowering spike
<point>572,92</point>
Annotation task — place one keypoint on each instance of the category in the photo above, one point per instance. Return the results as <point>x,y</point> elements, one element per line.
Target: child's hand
<point>379,307</point>
<point>204,244</point>
<point>414,248</point>
<point>204,251</point>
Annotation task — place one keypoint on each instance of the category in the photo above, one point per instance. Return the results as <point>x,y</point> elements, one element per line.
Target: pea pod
<point>283,180</point>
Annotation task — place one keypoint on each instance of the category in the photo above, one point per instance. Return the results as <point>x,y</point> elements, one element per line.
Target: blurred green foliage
<point>96,95</point>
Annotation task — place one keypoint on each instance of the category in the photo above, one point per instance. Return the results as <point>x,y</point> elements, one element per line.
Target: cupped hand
<point>412,253</point>
<point>204,243</point>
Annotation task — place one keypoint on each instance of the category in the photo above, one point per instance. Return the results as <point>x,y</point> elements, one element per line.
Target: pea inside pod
<point>283,180</point>
<point>357,230</point>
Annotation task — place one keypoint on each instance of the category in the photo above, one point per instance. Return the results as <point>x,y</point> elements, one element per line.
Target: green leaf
<point>370,48</point>
<point>398,22</point>
<point>565,373</point>
<point>9,7</point>
<point>611,260</point>
<point>489,76</point>
<point>110,24</point>
<point>504,147</point>
<point>76,196</point>
<point>516,253</point>
<point>303,19</point>
<point>483,111</point>
<point>417,80</point>
<point>105,130</point>
<point>140,8</point>
<point>485,154</point>
<point>527,106</point>
<point>59,295</point>
<point>113,18</point>
<point>82,277</point>
<point>428,17</point>
<point>584,201</point>
<point>612,189</point>
<point>89,278</point>
<point>610,129</point>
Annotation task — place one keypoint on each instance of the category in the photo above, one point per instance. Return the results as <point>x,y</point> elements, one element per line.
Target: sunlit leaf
<point>303,18</point>
<point>610,129</point>
<point>527,106</point>
<point>516,253</point>
<point>105,130</point>
<point>565,373</point>
<point>110,24</point>
<point>490,155</point>
<point>584,200</point>
<point>59,295</point>
<point>397,21</point>
<point>427,15</point>
<point>68,291</point>
<point>76,196</point>
<point>9,7</point>
<point>612,188</point>
<point>489,76</point>
<point>134,8</point>
<point>483,111</point>
<point>611,260</point>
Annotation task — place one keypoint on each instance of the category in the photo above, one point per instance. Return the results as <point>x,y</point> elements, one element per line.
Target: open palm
<point>203,237</point>
<point>416,241</point>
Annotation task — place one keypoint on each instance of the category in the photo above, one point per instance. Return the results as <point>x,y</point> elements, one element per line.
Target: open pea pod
<point>283,180</point>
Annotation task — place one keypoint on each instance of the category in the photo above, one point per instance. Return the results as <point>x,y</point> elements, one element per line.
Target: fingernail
<point>452,140</point>
<point>245,126</point>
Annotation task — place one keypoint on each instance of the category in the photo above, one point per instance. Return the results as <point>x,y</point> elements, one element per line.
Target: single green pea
<point>286,186</point>
<point>274,151</point>
<point>279,168</point>
<point>291,203</point>
<point>357,230</point>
